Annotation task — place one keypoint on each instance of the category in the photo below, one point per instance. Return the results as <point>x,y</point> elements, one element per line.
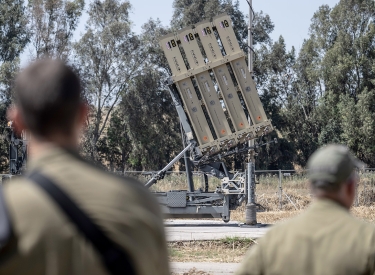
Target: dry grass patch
<point>228,250</point>
<point>268,217</point>
<point>292,199</point>
<point>275,216</point>
<point>366,213</point>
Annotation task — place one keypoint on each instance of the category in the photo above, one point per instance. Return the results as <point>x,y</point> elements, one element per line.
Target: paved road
<point>211,268</point>
<point>192,230</point>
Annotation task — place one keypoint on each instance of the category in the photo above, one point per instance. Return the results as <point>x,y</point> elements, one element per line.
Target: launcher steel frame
<point>220,112</point>
<point>18,145</point>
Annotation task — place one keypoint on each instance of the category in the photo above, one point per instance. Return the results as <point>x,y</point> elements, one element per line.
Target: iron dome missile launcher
<point>219,110</point>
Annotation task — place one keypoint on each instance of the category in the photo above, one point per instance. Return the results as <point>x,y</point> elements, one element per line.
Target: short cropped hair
<point>329,187</point>
<point>325,186</point>
<point>48,95</point>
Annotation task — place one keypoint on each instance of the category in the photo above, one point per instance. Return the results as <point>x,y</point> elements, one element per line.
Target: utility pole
<point>250,212</point>
<point>250,37</point>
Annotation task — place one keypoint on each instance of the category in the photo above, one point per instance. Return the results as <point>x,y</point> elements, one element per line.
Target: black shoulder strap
<point>115,258</point>
<point>5,227</point>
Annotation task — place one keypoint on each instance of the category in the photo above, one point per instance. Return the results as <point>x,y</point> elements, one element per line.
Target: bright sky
<point>291,17</point>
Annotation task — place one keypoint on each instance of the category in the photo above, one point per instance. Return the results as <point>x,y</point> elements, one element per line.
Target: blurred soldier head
<point>48,103</point>
<point>332,174</point>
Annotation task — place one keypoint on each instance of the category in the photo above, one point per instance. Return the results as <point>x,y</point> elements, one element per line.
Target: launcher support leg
<point>189,174</point>
<point>205,177</point>
<point>161,173</point>
<point>251,213</point>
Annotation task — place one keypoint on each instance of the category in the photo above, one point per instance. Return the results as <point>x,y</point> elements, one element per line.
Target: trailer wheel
<point>226,218</point>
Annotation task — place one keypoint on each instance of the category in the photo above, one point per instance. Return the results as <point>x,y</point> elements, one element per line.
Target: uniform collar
<point>49,153</point>
<point>325,204</point>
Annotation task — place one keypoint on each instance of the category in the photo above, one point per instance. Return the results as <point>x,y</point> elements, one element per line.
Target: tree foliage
<point>325,95</point>
<point>14,36</point>
<point>146,116</point>
<point>52,23</point>
<point>148,122</point>
<point>108,57</point>
<point>345,40</point>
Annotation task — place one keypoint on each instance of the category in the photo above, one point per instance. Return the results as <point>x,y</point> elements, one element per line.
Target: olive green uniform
<point>325,239</point>
<point>46,242</point>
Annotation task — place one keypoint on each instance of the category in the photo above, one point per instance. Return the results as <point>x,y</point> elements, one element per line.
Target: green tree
<point>344,36</point>
<point>108,56</point>
<point>149,124</point>
<point>14,36</point>
<point>52,23</point>
<point>275,78</point>
<point>329,99</point>
<point>144,130</point>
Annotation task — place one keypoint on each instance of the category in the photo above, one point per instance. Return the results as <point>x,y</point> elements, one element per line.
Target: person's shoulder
<point>27,205</point>
<point>286,223</point>
<point>362,234</point>
<point>135,190</point>
<point>86,181</point>
<point>361,225</point>
<point>86,167</point>
<point>20,190</point>
<point>137,186</point>
<point>277,232</point>
<point>288,228</point>
<point>125,181</point>
<point>18,186</point>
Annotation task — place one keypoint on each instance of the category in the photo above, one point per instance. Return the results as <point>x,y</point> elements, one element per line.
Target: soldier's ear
<point>83,113</point>
<point>350,188</point>
<point>14,115</point>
